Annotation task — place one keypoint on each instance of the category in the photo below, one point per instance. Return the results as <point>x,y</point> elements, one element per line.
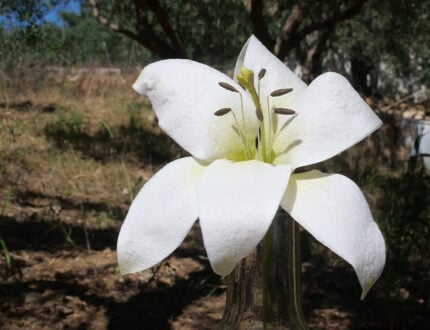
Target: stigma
<point>260,147</point>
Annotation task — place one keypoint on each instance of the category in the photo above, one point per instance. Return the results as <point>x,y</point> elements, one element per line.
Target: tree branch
<point>313,64</point>
<point>164,21</point>
<point>145,34</point>
<point>291,36</point>
<point>260,27</point>
<point>337,18</point>
<point>106,22</point>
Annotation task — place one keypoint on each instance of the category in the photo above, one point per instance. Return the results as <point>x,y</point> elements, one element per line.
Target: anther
<point>281,91</point>
<point>228,87</point>
<point>284,111</point>
<point>259,114</point>
<point>222,112</point>
<point>261,74</point>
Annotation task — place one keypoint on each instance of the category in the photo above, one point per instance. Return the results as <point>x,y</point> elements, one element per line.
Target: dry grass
<point>34,162</point>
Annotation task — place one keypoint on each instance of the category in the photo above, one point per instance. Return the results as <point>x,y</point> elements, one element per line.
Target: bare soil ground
<point>70,163</point>
<point>54,285</point>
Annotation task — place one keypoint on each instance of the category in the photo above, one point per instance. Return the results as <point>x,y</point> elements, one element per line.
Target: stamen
<point>270,119</point>
<point>259,114</point>
<point>273,119</point>
<point>258,142</point>
<point>284,126</point>
<point>241,135</point>
<point>284,111</point>
<point>243,113</point>
<point>222,112</point>
<point>228,87</point>
<point>236,127</point>
<point>261,74</point>
<point>280,92</point>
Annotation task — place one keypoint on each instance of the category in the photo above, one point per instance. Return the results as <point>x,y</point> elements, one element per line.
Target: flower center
<point>267,116</point>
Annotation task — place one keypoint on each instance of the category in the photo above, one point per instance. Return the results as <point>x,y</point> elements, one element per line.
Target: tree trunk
<point>264,290</point>
<point>360,70</point>
<point>313,66</point>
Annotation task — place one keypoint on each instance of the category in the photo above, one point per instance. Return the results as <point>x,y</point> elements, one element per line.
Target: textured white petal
<point>237,203</point>
<point>185,95</point>
<point>333,209</point>
<point>160,216</point>
<point>331,117</point>
<point>255,56</point>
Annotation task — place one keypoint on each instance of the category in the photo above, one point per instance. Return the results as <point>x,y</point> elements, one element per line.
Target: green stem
<point>293,276</point>
<point>6,254</point>
<point>263,141</point>
<point>267,261</point>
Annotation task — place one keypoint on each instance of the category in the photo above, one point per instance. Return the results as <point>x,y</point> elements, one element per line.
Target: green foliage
<point>392,40</point>
<point>213,31</point>
<point>81,41</point>
<point>404,218</point>
<point>6,254</point>
<point>400,202</point>
<point>389,48</point>
<point>100,45</point>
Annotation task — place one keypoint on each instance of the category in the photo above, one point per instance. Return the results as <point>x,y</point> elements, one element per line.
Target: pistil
<point>265,133</point>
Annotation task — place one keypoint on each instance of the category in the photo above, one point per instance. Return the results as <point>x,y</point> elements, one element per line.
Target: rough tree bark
<point>167,46</point>
<point>293,32</point>
<point>289,36</point>
<point>314,57</point>
<point>259,24</point>
<point>360,71</point>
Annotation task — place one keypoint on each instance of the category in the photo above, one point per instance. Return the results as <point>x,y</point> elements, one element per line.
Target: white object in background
<point>420,146</point>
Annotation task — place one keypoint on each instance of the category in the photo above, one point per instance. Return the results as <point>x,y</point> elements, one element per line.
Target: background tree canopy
<point>383,46</point>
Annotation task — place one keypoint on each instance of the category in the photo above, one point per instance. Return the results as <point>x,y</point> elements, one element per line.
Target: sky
<point>52,16</point>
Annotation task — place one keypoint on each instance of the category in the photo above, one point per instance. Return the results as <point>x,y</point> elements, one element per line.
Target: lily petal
<point>185,95</point>
<point>160,216</point>
<point>255,56</point>
<point>333,209</point>
<point>237,203</point>
<point>331,117</point>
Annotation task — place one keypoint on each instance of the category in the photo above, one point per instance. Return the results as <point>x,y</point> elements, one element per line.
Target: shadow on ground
<point>108,142</point>
<point>51,236</point>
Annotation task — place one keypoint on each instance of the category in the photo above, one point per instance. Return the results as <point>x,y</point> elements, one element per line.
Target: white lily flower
<point>268,122</point>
